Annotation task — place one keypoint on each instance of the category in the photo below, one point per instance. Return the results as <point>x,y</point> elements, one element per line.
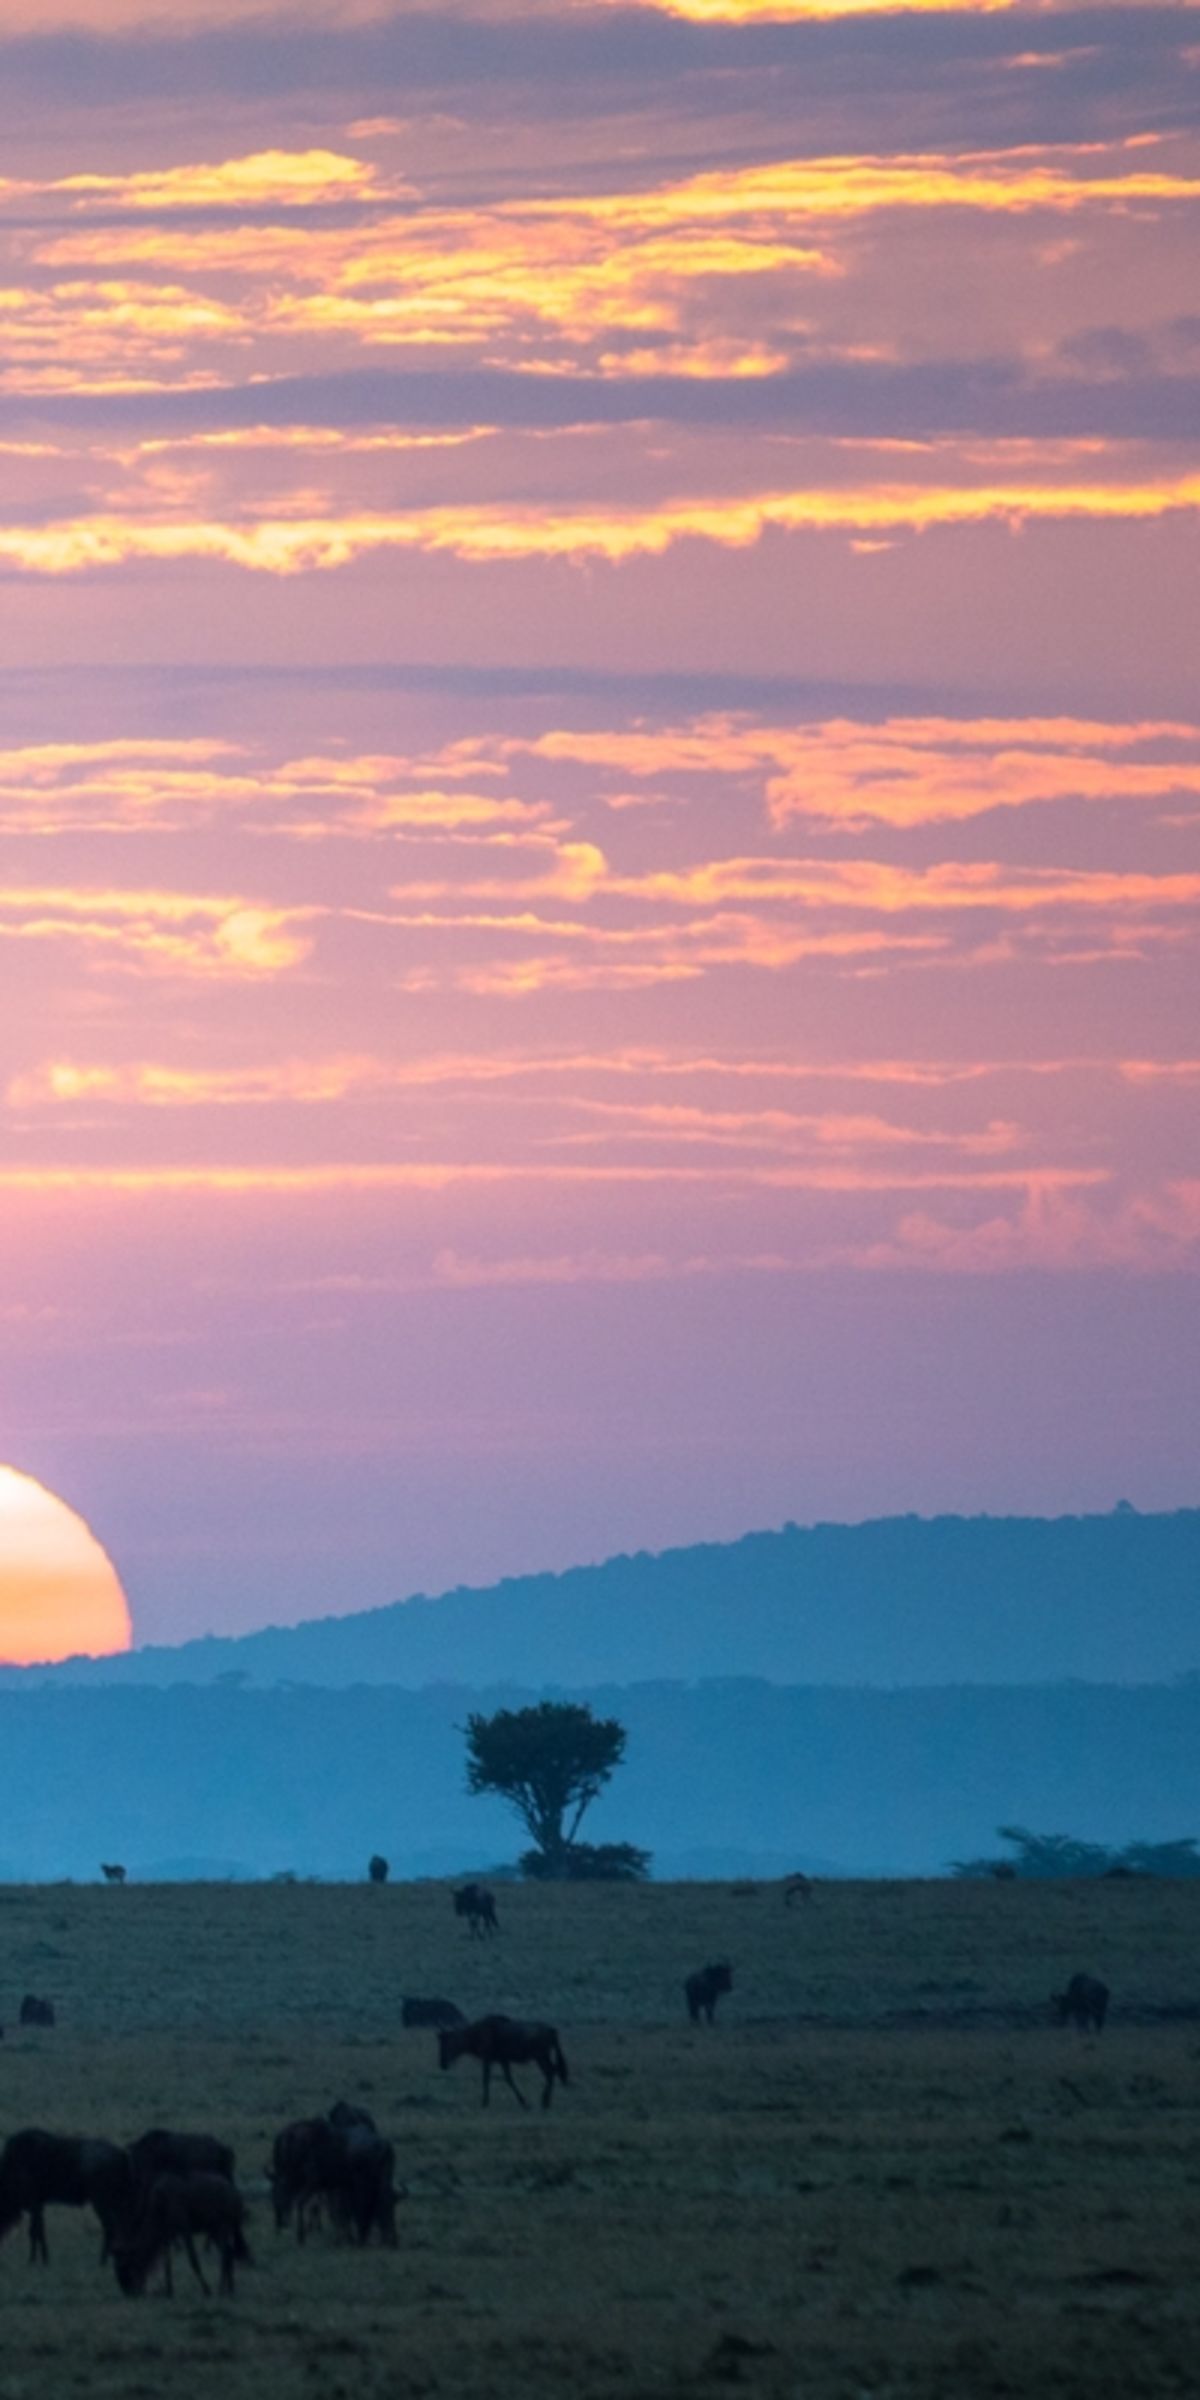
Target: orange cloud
<point>170,933</point>
<point>496,532</point>
<point>908,770</point>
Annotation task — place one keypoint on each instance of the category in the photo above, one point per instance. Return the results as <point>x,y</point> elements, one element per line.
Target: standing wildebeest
<point>378,1869</point>
<point>39,2170</point>
<point>1084,2003</point>
<point>341,2161</point>
<point>797,1887</point>
<point>430,2012</point>
<point>293,2153</point>
<point>506,2042</point>
<point>35,2011</point>
<point>113,1874</point>
<point>478,1906</point>
<point>703,1989</point>
<point>173,2209</point>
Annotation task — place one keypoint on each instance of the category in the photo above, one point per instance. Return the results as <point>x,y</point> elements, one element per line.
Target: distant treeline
<point>1045,1855</point>
<point>720,1777</point>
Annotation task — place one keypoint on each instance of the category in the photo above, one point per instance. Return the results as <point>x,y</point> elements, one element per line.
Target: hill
<point>900,1600</point>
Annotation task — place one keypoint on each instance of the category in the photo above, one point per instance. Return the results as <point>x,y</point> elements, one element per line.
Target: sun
<point>60,1593</point>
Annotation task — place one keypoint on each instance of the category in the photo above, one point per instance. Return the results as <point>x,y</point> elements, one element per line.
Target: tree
<point>549,1763</point>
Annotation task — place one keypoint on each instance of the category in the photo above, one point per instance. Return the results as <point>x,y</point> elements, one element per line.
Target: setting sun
<point>59,1593</point>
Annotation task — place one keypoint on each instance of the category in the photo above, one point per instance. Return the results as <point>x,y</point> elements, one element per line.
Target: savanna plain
<point>882,2171</point>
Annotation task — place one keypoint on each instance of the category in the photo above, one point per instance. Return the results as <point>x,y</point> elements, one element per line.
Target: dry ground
<point>882,2173</point>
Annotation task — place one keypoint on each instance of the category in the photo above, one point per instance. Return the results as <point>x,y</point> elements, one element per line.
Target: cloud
<point>907,771</point>
<point>1053,1232</point>
<point>493,532</point>
<point>157,932</point>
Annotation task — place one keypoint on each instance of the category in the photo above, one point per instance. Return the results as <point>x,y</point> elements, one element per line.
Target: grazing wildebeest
<point>160,2153</point>
<point>797,1887</point>
<point>39,2170</point>
<point>478,1906</point>
<point>112,1874</point>
<point>35,2011</point>
<point>174,2208</point>
<point>1084,2003</point>
<point>703,1989</point>
<point>506,2042</point>
<point>430,2012</point>
<point>378,1869</point>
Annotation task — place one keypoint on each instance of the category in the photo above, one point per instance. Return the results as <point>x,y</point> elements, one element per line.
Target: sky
<point>599,762</point>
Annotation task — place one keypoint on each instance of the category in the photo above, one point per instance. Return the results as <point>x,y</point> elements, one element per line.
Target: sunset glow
<point>60,1596</point>
<point>599,775</point>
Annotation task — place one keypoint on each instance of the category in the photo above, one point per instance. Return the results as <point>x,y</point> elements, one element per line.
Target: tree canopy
<point>549,1762</point>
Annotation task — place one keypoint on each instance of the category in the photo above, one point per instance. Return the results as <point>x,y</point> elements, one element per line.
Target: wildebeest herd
<point>335,2172</point>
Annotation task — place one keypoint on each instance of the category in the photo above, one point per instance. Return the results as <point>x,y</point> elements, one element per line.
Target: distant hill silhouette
<point>896,1601</point>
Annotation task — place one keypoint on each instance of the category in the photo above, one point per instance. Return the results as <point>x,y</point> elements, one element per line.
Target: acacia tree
<point>550,1762</point>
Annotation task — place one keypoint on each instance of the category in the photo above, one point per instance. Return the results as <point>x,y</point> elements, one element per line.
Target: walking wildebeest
<point>35,2011</point>
<point>174,2208</point>
<point>478,1906</point>
<point>39,2170</point>
<point>797,1887</point>
<point>1084,2003</point>
<point>378,1869</point>
<point>430,2012</point>
<point>703,1989</point>
<point>112,1874</point>
<point>506,2042</point>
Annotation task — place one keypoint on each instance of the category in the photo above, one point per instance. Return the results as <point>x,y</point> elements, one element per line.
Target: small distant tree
<point>549,1762</point>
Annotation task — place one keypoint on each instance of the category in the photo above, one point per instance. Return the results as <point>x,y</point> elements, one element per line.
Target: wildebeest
<point>339,2161</point>
<point>39,2170</point>
<point>1084,2003</point>
<point>797,1887</point>
<point>161,2153</point>
<point>292,2155</point>
<point>506,2042</point>
<point>35,2011</point>
<point>378,1869</point>
<point>430,2012</point>
<point>174,2208</point>
<point>478,1906</point>
<point>703,1989</point>
<point>112,1874</point>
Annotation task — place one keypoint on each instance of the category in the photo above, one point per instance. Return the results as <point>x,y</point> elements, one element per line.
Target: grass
<point>881,2173</point>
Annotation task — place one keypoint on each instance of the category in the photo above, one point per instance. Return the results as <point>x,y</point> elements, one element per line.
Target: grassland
<point>881,2173</point>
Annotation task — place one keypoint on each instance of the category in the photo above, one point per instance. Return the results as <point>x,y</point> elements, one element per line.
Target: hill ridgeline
<point>896,1601</point>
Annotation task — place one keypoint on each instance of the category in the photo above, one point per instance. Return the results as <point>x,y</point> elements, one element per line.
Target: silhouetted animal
<point>797,1887</point>
<point>378,1869</point>
<point>174,2208</point>
<point>478,1906</point>
<point>39,2170</point>
<point>292,2156</point>
<point>160,2153</point>
<point>35,2011</point>
<point>113,1874</point>
<point>703,1989</point>
<point>430,2012</point>
<point>1084,2003</point>
<point>506,2042</point>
